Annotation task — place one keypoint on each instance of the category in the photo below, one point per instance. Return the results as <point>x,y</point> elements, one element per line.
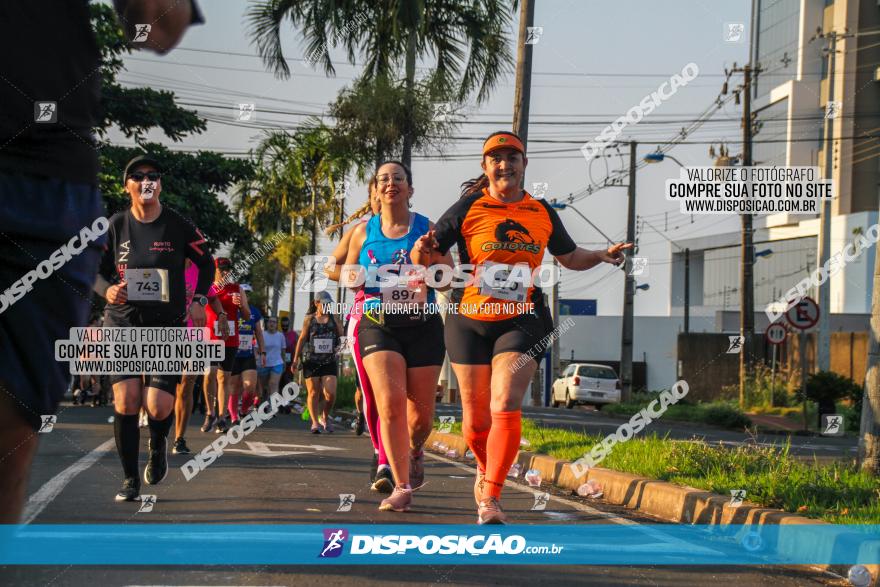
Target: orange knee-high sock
<point>503,444</point>
<point>477,443</point>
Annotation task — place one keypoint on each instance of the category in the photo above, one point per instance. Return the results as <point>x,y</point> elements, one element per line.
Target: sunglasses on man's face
<point>139,176</point>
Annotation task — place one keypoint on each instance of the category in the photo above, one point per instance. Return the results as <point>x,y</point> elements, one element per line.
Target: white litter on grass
<point>524,442</point>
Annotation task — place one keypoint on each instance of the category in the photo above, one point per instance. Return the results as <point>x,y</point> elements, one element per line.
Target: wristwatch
<point>202,300</point>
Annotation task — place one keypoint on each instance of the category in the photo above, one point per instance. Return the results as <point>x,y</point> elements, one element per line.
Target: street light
<point>563,206</point>
<point>644,286</point>
<point>764,253</point>
<point>660,157</point>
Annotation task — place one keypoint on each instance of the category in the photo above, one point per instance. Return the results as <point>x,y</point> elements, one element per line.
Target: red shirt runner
<point>225,297</point>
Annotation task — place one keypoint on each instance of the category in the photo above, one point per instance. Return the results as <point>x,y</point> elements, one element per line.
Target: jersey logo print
<point>195,244</point>
<point>485,205</point>
<point>510,235</point>
<point>123,253</point>
<point>399,257</point>
<point>511,231</point>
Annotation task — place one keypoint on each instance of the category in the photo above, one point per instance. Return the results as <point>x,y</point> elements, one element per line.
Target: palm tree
<point>268,202</point>
<point>293,190</point>
<point>466,41</point>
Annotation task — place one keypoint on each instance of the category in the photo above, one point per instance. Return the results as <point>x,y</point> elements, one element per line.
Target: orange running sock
<point>477,443</point>
<point>502,447</point>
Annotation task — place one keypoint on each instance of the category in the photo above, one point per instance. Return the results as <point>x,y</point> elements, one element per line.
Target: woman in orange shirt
<point>504,232</point>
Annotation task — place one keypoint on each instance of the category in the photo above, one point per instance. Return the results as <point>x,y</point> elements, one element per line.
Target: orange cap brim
<point>503,141</point>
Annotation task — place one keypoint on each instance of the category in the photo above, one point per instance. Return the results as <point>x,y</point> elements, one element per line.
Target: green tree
<point>371,120</point>
<point>297,178</point>
<point>192,183</point>
<point>467,42</point>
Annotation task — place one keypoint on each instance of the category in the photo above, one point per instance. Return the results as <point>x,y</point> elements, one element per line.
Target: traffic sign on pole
<point>804,314</point>
<point>775,333</point>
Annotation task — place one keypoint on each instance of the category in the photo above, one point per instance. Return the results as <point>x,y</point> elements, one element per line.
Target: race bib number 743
<point>147,285</point>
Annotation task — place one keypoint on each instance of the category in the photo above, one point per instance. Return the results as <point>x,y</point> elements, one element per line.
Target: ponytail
<point>474,186</point>
<point>359,213</point>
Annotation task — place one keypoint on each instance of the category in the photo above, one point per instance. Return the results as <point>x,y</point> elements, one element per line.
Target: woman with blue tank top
<point>400,338</point>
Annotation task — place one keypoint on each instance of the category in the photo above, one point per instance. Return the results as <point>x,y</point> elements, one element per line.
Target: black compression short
<point>320,369</point>
<point>242,364</point>
<point>167,383</point>
<point>421,346</point>
<point>228,359</point>
<point>475,342</point>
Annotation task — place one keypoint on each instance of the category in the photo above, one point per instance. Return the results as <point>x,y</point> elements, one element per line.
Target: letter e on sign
<point>804,314</point>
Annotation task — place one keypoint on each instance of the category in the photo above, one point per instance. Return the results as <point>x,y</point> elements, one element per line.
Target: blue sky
<point>635,45</point>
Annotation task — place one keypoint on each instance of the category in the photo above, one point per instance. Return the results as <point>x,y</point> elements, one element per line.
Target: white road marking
<point>262,449</point>
<point>50,490</point>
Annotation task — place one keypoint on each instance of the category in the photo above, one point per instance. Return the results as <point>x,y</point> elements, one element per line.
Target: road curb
<point>674,503</point>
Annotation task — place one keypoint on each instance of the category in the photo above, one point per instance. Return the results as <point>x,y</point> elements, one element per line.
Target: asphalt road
<point>586,419</point>
<point>286,475</point>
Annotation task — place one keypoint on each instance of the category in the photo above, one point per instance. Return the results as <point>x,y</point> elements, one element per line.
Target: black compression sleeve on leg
<point>128,439</point>
<point>159,428</point>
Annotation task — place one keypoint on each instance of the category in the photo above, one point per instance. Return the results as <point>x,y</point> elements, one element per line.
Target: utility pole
<point>687,290</point>
<point>747,257</point>
<point>523,89</point>
<point>521,100</point>
<point>869,433</point>
<point>555,349</point>
<point>626,336</point>
<point>823,335</point>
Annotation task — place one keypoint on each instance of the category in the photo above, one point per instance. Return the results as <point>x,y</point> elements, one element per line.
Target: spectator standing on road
<point>274,343</point>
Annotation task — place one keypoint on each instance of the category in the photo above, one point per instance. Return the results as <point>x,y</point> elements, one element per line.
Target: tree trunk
<point>869,441</point>
<point>276,279</point>
<point>276,291</point>
<point>408,115</point>
<point>290,300</point>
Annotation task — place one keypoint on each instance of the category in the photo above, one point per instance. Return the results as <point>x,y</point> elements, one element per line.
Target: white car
<point>586,383</point>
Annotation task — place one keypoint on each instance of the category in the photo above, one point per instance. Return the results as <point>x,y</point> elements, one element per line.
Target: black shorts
<point>320,369</point>
<point>475,342</point>
<point>228,359</point>
<point>40,215</point>
<point>421,346</point>
<point>167,383</point>
<point>242,364</point>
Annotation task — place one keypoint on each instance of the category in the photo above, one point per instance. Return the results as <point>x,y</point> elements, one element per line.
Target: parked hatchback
<point>586,383</point>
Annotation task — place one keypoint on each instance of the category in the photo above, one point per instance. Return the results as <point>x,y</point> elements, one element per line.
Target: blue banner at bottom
<point>588,544</point>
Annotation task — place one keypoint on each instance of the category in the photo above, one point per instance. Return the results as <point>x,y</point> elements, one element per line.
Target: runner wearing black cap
<point>142,277</point>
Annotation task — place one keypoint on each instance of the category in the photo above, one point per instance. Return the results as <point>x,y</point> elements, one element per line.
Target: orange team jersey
<point>489,231</point>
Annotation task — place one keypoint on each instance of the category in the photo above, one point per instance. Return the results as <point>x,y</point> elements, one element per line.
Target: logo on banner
<point>334,540</point>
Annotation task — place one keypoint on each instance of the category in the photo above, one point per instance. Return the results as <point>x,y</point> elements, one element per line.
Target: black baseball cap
<point>141,160</point>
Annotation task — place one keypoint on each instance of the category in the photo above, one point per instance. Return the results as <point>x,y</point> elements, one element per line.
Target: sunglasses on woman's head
<point>139,175</point>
